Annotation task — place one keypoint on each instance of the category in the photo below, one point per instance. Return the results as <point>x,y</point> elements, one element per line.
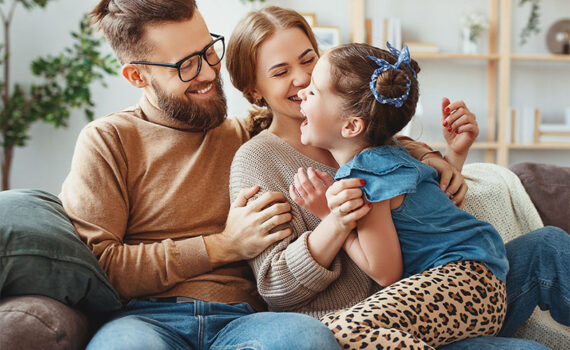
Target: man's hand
<point>451,181</point>
<point>311,187</point>
<point>247,231</point>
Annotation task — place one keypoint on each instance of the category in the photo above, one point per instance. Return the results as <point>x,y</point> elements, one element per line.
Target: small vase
<point>468,46</point>
<point>254,5</point>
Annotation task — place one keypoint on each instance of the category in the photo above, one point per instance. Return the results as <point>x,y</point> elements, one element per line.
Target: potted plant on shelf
<point>65,82</point>
<point>532,23</point>
<point>473,25</point>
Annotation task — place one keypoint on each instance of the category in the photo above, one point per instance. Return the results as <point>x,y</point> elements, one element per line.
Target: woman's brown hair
<point>241,54</point>
<point>351,72</point>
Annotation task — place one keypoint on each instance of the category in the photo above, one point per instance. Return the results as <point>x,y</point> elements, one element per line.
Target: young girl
<point>358,98</point>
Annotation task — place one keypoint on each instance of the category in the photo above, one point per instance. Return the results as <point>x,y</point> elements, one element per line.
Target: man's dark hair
<point>124,22</point>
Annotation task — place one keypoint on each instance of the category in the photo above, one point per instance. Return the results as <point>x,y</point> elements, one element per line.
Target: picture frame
<point>310,17</point>
<point>327,37</point>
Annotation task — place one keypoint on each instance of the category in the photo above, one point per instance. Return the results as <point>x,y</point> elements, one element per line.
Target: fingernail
<point>447,109</point>
<point>449,129</point>
<point>369,205</point>
<point>445,123</point>
<point>362,181</point>
<point>443,187</point>
<point>457,131</point>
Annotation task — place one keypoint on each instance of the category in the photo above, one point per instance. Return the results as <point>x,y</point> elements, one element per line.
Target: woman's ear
<point>134,76</point>
<point>353,127</point>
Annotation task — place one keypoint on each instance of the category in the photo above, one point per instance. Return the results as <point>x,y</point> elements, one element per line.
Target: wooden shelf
<point>559,58</point>
<point>476,145</point>
<point>452,56</point>
<point>499,60</point>
<point>542,146</point>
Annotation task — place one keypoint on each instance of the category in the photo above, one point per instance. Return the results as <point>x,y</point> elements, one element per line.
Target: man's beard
<point>193,113</point>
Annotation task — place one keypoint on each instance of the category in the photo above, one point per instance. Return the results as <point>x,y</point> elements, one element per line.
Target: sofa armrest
<point>39,322</point>
<point>549,189</point>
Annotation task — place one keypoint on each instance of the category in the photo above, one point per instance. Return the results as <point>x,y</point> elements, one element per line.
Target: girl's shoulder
<point>388,170</point>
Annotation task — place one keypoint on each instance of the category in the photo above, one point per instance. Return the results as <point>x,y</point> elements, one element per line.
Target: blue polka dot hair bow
<point>403,57</point>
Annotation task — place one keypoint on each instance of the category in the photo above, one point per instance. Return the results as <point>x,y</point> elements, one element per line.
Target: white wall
<point>45,162</point>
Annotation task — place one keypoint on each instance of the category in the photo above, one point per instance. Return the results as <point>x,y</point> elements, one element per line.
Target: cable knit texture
<point>288,277</point>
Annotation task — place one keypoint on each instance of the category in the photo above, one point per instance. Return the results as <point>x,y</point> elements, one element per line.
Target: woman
<point>270,58</point>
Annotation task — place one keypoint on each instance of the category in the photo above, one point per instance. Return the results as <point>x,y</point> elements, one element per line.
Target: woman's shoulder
<point>263,147</point>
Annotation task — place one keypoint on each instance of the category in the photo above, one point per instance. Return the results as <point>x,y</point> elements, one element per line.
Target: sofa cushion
<point>38,322</point>
<point>41,254</point>
<point>549,189</point>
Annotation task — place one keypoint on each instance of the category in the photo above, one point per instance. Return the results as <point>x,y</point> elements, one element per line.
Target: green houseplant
<point>64,82</point>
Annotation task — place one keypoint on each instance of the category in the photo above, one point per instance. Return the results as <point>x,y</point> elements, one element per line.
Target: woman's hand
<point>460,129</point>
<point>309,191</point>
<point>451,181</point>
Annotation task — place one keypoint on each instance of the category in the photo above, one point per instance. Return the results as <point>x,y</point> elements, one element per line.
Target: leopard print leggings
<point>439,306</point>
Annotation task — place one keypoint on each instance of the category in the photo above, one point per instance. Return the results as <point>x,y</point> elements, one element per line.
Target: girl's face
<point>322,109</point>
<point>285,62</point>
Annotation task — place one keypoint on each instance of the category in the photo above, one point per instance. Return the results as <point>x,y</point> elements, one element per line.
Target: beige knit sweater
<point>288,277</point>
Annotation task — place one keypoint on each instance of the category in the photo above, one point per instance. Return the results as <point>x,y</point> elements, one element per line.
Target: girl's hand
<point>451,181</point>
<point>346,203</point>
<point>311,188</point>
<point>459,126</point>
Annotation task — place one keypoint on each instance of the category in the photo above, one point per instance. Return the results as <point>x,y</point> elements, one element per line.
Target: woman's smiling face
<point>285,62</point>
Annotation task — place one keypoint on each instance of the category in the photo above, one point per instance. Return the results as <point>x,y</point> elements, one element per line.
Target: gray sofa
<point>46,294</point>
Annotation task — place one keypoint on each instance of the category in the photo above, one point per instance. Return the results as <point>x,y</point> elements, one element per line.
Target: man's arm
<point>95,195</point>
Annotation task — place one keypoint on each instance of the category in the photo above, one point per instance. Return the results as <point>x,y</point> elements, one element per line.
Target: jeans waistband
<point>173,300</point>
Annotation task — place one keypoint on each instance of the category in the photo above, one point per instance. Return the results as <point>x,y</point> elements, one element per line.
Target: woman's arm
<point>375,247</point>
<point>460,129</point>
<point>288,275</point>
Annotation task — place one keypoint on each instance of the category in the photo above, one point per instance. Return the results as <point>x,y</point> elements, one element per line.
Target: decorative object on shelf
<point>553,132</point>
<point>253,4</point>
<point>522,127</point>
<point>327,37</point>
<point>531,26</point>
<point>472,26</point>
<point>65,84</point>
<point>558,37</point>
<point>310,17</point>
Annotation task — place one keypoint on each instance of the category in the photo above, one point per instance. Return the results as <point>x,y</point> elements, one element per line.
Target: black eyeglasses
<point>189,67</point>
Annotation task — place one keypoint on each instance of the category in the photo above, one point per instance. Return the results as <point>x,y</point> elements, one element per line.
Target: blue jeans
<point>539,275</point>
<point>201,325</point>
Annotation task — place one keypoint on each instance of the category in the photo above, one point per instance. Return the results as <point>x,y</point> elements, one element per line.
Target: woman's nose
<point>301,78</point>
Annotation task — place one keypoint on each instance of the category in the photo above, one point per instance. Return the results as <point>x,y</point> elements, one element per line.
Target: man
<point>148,193</point>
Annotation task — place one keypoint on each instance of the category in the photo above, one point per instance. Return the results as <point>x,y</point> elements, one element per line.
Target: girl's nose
<point>302,94</point>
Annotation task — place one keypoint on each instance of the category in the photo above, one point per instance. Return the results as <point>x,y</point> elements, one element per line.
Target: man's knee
<point>129,333</point>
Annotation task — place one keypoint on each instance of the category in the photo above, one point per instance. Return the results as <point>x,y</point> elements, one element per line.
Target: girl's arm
<point>347,208</point>
<point>375,248</point>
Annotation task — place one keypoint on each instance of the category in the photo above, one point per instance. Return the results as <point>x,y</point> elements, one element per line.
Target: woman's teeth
<point>295,98</point>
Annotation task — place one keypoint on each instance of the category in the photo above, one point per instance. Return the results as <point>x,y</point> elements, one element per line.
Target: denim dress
<point>431,229</point>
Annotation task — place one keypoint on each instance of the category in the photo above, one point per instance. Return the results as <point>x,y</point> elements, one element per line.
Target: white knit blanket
<point>497,196</point>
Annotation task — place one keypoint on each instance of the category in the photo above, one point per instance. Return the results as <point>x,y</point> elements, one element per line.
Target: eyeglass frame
<point>200,54</point>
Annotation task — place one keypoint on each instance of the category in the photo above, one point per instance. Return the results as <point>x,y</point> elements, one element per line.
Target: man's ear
<point>353,127</point>
<point>134,76</point>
